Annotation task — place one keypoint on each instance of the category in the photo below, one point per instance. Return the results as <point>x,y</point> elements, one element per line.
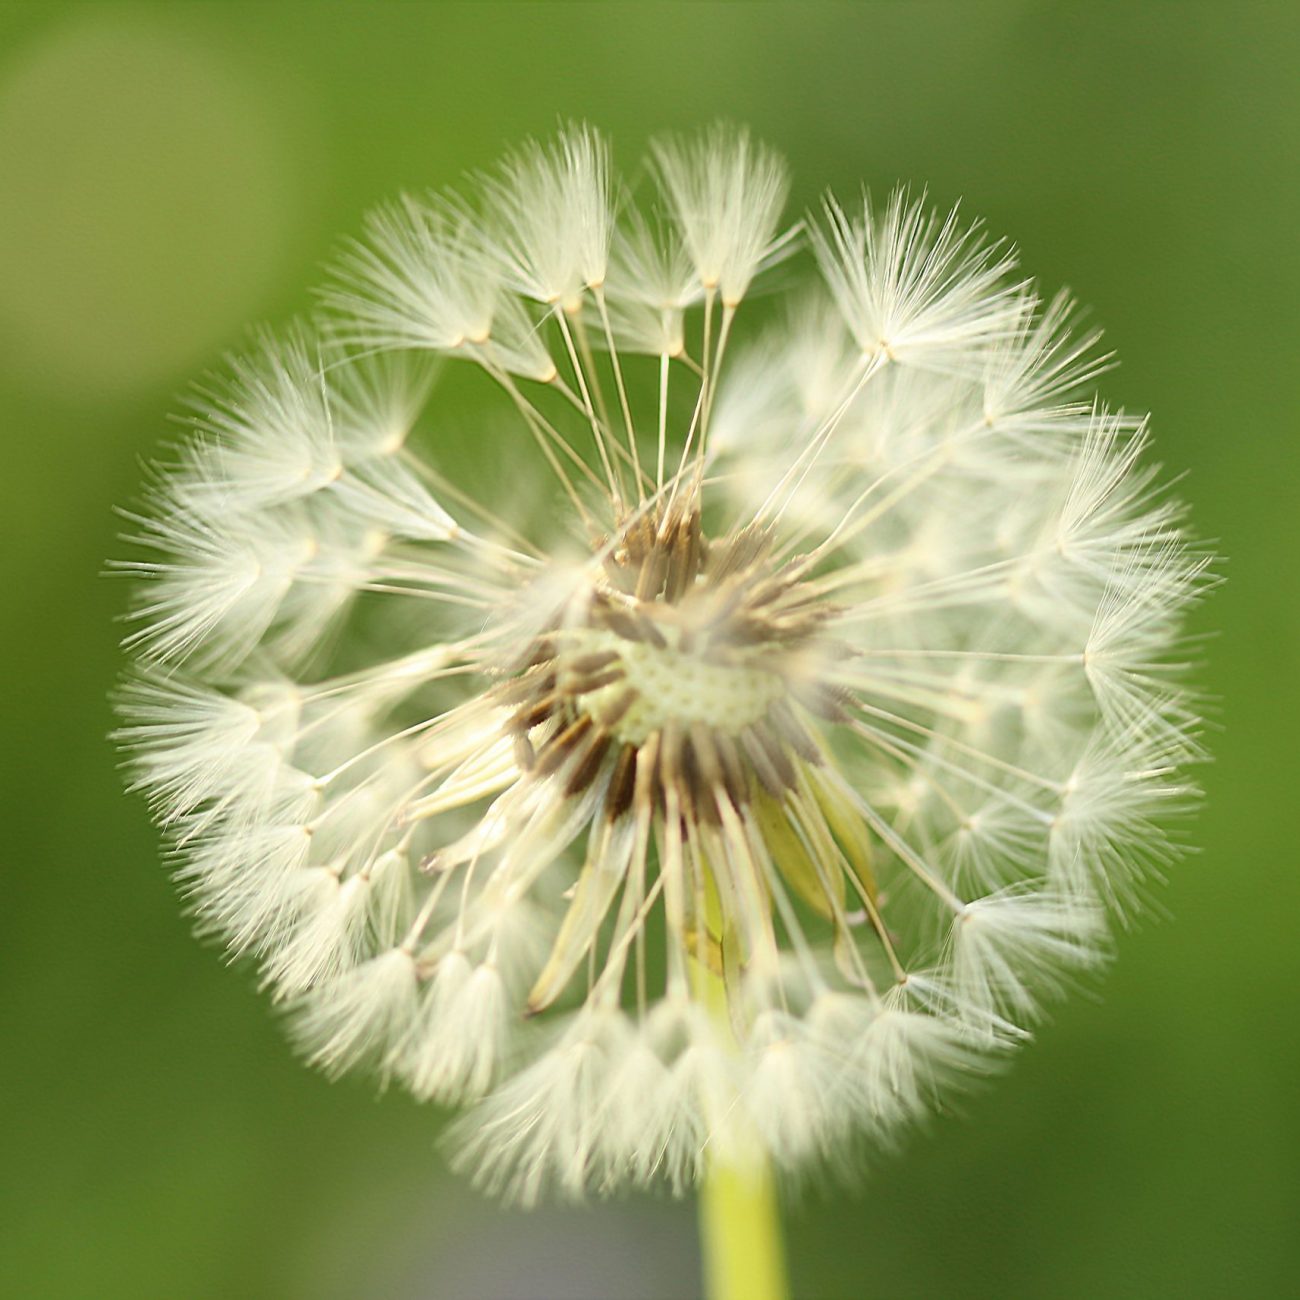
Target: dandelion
<point>763,787</point>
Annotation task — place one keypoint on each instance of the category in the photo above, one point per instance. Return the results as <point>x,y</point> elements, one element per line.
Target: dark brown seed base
<point>664,583</point>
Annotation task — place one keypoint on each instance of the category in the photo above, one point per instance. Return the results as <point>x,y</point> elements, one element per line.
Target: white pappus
<point>758,788</point>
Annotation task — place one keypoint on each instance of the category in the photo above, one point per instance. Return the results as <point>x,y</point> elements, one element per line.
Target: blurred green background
<point>169,173</point>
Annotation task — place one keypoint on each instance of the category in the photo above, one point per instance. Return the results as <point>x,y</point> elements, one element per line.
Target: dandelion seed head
<point>751,762</point>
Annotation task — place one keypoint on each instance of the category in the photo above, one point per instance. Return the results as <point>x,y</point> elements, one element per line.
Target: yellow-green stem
<point>740,1233</point>
<point>740,1219</point>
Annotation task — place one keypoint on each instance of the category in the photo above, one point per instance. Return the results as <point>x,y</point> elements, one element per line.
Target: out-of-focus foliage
<point>172,173</point>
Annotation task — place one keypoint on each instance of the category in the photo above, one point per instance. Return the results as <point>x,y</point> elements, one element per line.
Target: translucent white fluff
<point>1011,950</point>
<point>651,285</point>
<point>418,281</point>
<point>726,192</point>
<point>464,1032</point>
<point>360,1015</point>
<point>555,218</point>
<point>728,748</point>
<point>423,281</point>
<point>918,288</point>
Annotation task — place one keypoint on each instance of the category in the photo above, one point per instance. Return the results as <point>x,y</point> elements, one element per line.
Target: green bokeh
<point>170,172</point>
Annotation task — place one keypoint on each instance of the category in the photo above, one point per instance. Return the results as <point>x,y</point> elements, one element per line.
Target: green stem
<point>740,1233</point>
<point>740,1220</point>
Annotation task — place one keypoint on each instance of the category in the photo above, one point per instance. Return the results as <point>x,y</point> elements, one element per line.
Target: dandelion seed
<point>767,784</point>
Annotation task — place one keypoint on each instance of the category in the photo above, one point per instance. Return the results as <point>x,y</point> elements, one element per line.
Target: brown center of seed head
<point>687,666</point>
